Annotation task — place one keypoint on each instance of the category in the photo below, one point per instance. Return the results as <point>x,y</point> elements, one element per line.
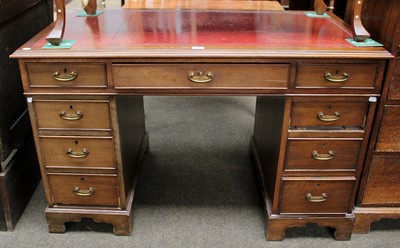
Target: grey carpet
<point>197,188</point>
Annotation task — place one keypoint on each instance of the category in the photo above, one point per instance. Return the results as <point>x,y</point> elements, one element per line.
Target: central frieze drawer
<point>200,75</point>
<point>84,189</point>
<point>322,154</point>
<point>316,195</point>
<point>73,75</point>
<point>328,112</point>
<point>84,152</point>
<point>361,76</point>
<point>71,114</point>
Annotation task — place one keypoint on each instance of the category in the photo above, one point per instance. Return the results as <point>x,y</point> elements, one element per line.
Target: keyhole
<point>318,185</point>
<point>65,70</point>
<point>330,107</point>
<point>337,71</point>
<point>82,180</point>
<point>70,107</point>
<point>324,145</point>
<point>200,72</point>
<point>76,142</point>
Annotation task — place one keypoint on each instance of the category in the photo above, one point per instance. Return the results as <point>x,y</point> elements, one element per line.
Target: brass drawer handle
<point>83,154</point>
<point>336,79</point>
<point>200,78</point>
<point>328,118</point>
<point>71,117</point>
<point>83,192</point>
<point>65,77</point>
<point>323,157</point>
<point>319,198</point>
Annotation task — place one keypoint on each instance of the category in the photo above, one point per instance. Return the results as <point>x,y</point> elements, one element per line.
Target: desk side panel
<point>267,135</point>
<point>131,127</point>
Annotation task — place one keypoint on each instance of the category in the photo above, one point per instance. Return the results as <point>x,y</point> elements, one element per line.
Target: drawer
<point>389,132</point>
<point>71,114</point>
<point>336,76</point>
<point>327,112</point>
<point>82,189</point>
<point>319,195</point>
<point>212,75</point>
<point>394,92</point>
<point>322,154</point>
<point>81,152</point>
<point>383,185</point>
<point>67,75</point>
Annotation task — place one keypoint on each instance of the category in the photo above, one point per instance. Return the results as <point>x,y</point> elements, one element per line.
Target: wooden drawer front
<point>78,152</point>
<point>394,92</point>
<point>177,75</point>
<point>329,113</point>
<point>322,154</point>
<point>325,196</point>
<point>72,114</point>
<point>389,132</point>
<point>383,185</point>
<point>77,189</point>
<point>69,74</point>
<point>343,75</point>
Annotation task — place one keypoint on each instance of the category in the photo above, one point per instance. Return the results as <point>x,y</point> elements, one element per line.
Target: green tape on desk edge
<point>313,14</point>
<point>84,14</point>
<point>65,44</point>
<point>367,43</point>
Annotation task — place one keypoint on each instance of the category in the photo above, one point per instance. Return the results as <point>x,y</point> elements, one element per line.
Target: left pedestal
<point>90,149</point>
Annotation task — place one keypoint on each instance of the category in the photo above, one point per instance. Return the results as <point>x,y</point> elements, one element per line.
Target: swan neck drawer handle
<point>200,78</point>
<point>323,157</point>
<point>83,192</point>
<point>319,198</point>
<point>336,78</point>
<point>328,118</point>
<point>71,117</point>
<point>83,154</point>
<point>65,77</point>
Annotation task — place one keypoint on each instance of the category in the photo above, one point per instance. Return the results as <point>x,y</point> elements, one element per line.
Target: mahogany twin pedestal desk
<point>316,99</point>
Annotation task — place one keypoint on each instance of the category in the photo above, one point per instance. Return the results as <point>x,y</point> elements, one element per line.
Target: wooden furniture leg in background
<point>90,6</point>
<point>359,32</point>
<point>353,16</point>
<point>320,7</point>
<point>57,34</point>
